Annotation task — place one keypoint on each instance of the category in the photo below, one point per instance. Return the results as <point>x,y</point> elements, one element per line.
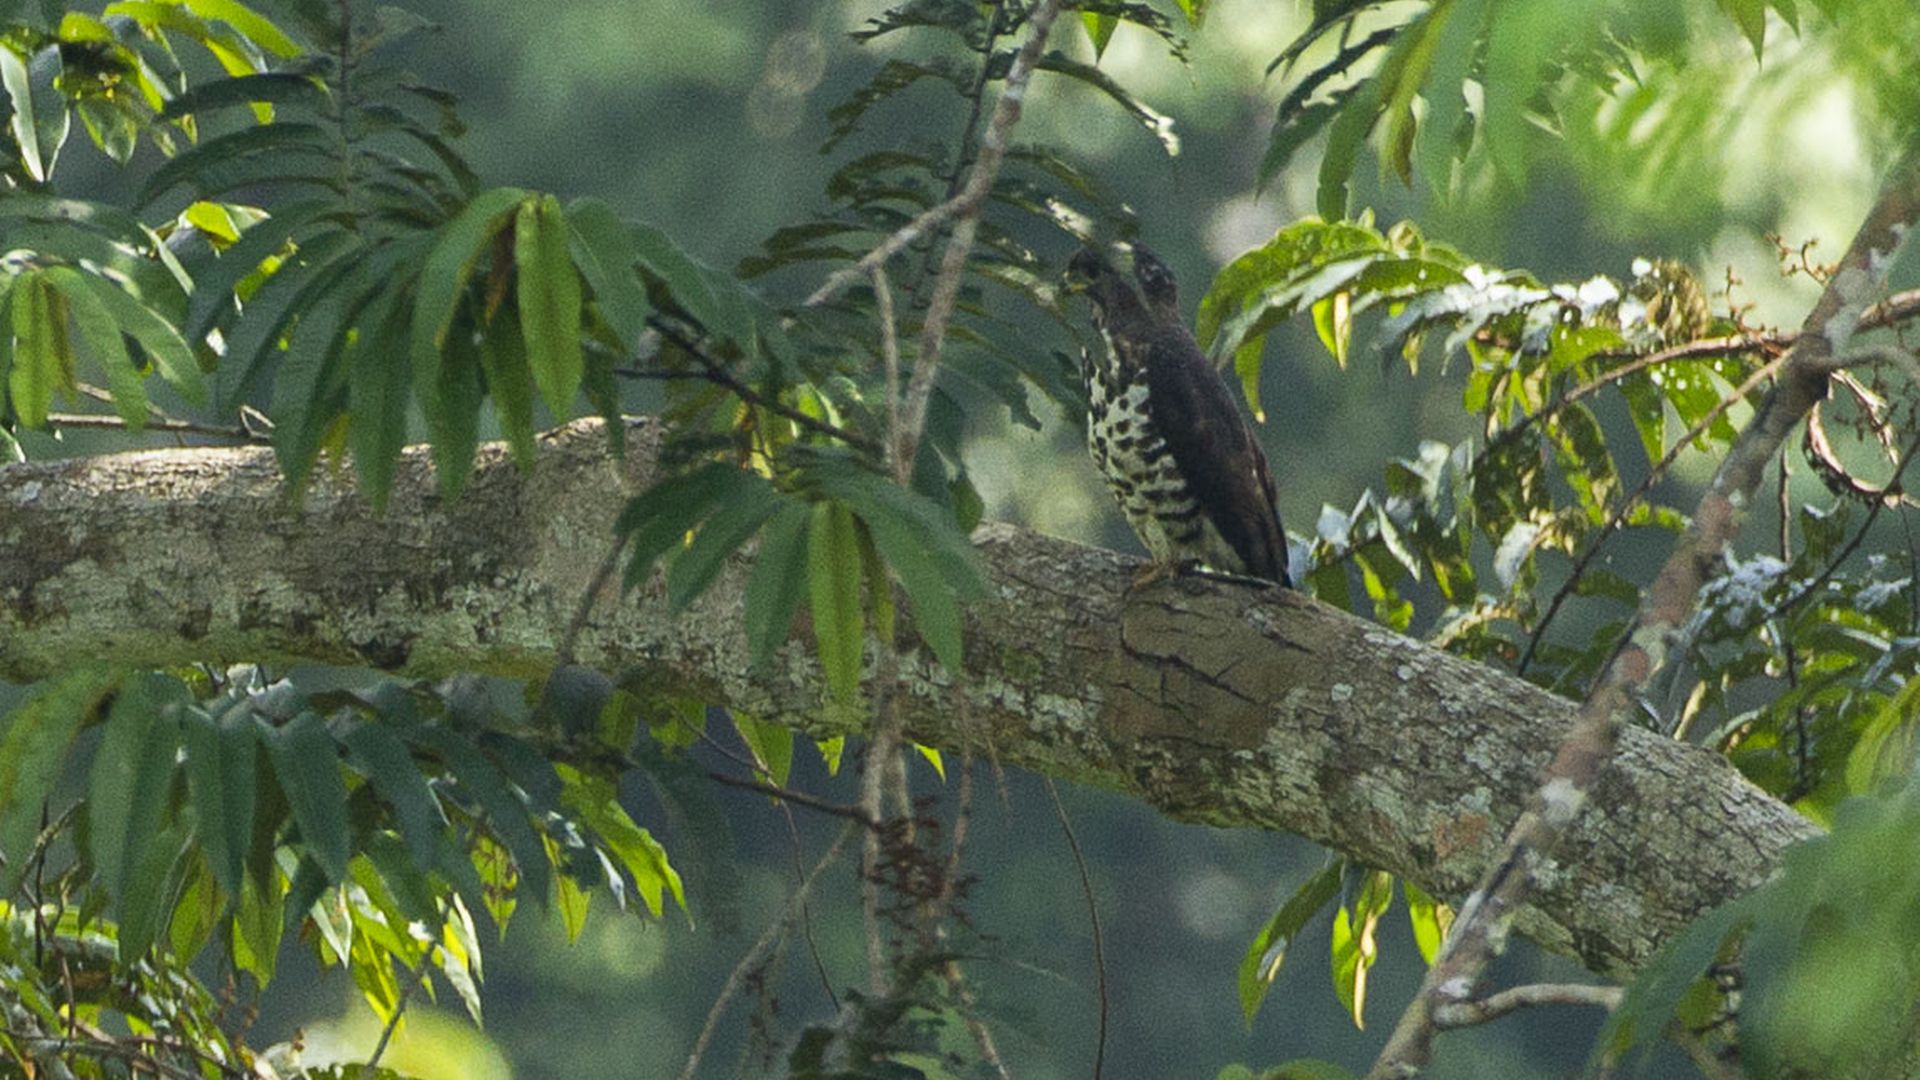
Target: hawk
<point>1177,454</point>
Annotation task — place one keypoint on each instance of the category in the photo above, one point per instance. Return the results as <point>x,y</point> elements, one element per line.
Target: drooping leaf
<point>39,121</point>
<point>127,791</point>
<point>549,298</point>
<point>833,580</point>
<point>771,745</point>
<point>221,753</point>
<point>603,250</point>
<point>1354,949</point>
<point>102,335</point>
<point>778,581</point>
<point>38,733</point>
<point>732,524</point>
<point>1265,953</point>
<point>505,814</point>
<point>306,761</point>
<point>42,348</point>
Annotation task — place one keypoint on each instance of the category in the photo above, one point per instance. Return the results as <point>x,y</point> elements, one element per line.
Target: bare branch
<point>737,978</point>
<point>1480,932</point>
<point>166,424</point>
<point>1467,1013</point>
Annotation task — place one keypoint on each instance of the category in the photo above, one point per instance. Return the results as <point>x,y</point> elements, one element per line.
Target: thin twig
<point>953,262</point>
<point>418,976</point>
<point>713,371</point>
<point>773,933</point>
<point>1093,919</point>
<point>582,610</point>
<point>1466,1013</point>
<point>890,353</point>
<point>181,427</point>
<point>855,814</point>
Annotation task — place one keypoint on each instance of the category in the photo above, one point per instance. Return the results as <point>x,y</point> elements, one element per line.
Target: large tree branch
<point>1213,702</point>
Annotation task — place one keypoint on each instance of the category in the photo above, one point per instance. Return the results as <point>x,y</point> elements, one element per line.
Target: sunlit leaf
<point>833,579</point>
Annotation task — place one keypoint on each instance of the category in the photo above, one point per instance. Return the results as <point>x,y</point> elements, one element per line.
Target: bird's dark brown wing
<point>1214,447</point>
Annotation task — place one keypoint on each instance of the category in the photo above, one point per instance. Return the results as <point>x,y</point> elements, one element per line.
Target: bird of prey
<point>1177,454</point>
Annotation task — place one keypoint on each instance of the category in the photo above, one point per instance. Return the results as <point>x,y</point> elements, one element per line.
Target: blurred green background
<point>705,119</point>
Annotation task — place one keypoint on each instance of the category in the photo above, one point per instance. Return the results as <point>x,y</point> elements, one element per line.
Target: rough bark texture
<point>1213,702</point>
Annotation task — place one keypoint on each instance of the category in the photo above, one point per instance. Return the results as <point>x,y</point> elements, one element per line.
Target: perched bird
<point>1178,456</point>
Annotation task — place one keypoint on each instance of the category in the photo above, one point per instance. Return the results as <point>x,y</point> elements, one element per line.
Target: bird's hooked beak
<point>1089,266</point>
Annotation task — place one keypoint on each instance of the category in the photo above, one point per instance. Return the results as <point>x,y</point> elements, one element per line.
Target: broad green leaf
<point>220,775</point>
<point>127,791</point>
<point>604,251</point>
<point>257,28</point>
<point>1404,76</point>
<point>596,803</point>
<point>1437,142</point>
<point>42,348</point>
<point>258,921</point>
<point>732,524</point>
<point>1431,920</point>
<point>833,580</point>
<point>1354,949</point>
<point>771,745</point>
<point>936,610</point>
<point>171,355</point>
<point>379,386</point>
<point>37,735</point>
<point>198,913</point>
<point>571,901</point>
<point>1359,109</point>
<point>146,901</point>
<point>451,399</point>
<point>658,519</point>
<point>305,275</point>
<point>102,335</point>
<point>380,756</point>
<point>505,814</point>
<point>40,121</point>
<point>1100,30</point>
<point>503,358</point>
<point>306,761</point>
<point>450,265</point>
<point>549,298</point>
<point>284,150</point>
<point>271,88</point>
<point>778,581</point>
<point>215,284</point>
<point>1261,964</point>
<point>310,388</point>
<point>1751,15</point>
<point>830,751</point>
<point>404,877</point>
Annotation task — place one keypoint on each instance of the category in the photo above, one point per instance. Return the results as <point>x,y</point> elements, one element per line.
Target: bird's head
<point>1106,281</point>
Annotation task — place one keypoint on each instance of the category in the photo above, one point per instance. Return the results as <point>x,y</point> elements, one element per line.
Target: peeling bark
<point>1215,703</point>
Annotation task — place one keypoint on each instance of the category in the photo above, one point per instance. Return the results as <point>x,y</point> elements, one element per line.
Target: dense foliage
<point>310,262</point>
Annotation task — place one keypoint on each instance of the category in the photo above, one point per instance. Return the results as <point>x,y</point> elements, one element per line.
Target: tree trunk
<point>1212,702</point>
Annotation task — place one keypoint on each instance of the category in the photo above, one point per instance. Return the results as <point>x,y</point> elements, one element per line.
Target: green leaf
<point>596,804</point>
<point>778,581</point>
<point>1359,109</point>
<point>1261,964</point>
<point>506,815</point>
<point>450,265</point>
<point>220,775</point>
<point>603,249</point>
<point>40,121</point>
<point>659,518</point>
<point>255,27</point>
<point>732,525</point>
<point>549,298</point>
<point>102,335</point>
<point>291,289</point>
<point>830,751</point>
<point>291,151</point>
<point>1159,125</point>
<point>171,355</point>
<point>1437,141</point>
<point>1354,949</point>
<point>146,902</point>
<point>1100,30</point>
<point>310,389</point>
<point>379,385</point>
<point>215,283</point>
<point>771,745</point>
<point>933,758</point>
<point>1431,920</point>
<point>503,358</point>
<point>38,733</point>
<point>1751,15</point>
<point>42,349</point>
<point>306,761</point>
<point>258,922</point>
<point>833,579</point>
<point>379,755</point>
<point>127,792</point>
<point>273,88</point>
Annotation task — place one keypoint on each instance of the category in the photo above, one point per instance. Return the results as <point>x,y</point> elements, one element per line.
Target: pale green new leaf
<point>1265,953</point>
